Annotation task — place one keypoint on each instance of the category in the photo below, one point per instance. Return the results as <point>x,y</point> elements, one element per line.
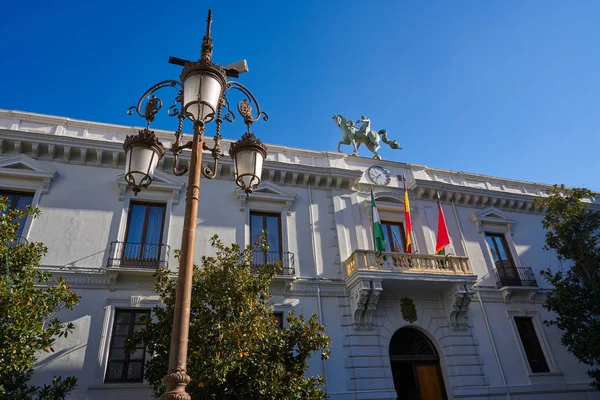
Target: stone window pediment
<point>389,201</point>
<point>163,186</point>
<point>23,172</point>
<point>491,217</point>
<point>268,192</point>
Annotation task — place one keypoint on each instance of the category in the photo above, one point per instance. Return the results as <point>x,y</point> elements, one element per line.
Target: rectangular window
<point>260,221</point>
<point>503,261</point>
<point>499,249</point>
<point>531,345</point>
<point>143,238</point>
<point>122,366</point>
<point>279,317</point>
<point>18,201</point>
<point>394,236</point>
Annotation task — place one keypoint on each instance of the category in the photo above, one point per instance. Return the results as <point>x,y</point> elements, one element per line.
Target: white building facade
<point>465,325</point>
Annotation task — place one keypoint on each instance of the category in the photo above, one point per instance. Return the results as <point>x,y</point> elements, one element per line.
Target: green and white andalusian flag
<point>377,228</point>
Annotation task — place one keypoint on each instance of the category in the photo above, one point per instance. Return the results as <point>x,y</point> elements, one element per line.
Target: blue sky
<point>505,88</point>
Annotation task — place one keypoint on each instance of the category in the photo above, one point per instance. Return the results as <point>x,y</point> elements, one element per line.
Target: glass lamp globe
<point>248,155</point>
<point>143,151</point>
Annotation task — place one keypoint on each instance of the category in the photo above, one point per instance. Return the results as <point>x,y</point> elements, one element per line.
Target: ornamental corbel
<point>134,301</point>
<point>122,191</point>
<point>288,208</point>
<point>242,200</point>
<point>477,225</point>
<point>112,282</point>
<point>175,196</point>
<point>367,319</point>
<point>506,295</point>
<point>358,302</point>
<point>458,305</point>
<point>46,185</point>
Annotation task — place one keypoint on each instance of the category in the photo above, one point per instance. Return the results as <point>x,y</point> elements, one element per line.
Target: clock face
<point>378,175</point>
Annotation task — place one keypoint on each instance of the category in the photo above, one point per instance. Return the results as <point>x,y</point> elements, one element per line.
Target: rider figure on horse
<point>366,125</point>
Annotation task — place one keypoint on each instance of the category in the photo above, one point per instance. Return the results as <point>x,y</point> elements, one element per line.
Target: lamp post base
<point>176,380</point>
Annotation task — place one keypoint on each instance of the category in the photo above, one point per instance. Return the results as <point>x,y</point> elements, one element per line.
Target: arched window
<point>415,366</point>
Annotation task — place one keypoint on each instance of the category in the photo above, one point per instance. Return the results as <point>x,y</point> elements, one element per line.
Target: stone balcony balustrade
<point>368,273</point>
<point>371,260</point>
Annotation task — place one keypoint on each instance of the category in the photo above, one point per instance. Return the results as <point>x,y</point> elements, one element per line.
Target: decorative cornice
<point>162,182</point>
<point>511,295</point>
<point>66,140</point>
<point>269,192</point>
<point>366,188</point>
<point>474,197</point>
<point>100,278</point>
<point>79,151</point>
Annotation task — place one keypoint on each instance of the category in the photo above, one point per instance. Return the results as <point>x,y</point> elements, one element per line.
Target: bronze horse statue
<point>357,136</point>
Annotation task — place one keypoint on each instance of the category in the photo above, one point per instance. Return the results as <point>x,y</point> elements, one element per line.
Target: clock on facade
<point>378,175</point>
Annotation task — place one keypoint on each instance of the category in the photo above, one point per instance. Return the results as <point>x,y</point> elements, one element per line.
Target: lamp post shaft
<point>177,378</point>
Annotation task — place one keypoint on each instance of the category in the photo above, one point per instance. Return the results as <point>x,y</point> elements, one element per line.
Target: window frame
<point>265,214</point>
<point>506,247</point>
<point>386,225</point>
<point>126,360</point>
<point>539,343</point>
<point>541,336</point>
<point>160,243</point>
<point>280,317</point>
<point>13,205</point>
<point>146,215</point>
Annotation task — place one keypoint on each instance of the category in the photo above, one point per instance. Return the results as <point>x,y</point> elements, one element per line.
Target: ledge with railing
<point>371,260</point>
<point>513,276</point>
<point>260,258</point>
<point>138,255</point>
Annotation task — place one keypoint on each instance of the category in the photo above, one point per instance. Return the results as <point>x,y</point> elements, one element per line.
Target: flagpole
<point>372,219</point>
<point>413,242</point>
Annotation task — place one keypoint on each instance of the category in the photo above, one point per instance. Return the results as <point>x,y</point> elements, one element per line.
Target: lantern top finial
<point>206,48</point>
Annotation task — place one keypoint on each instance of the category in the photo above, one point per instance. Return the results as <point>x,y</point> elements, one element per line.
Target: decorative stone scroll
<point>364,296</point>
<point>458,305</point>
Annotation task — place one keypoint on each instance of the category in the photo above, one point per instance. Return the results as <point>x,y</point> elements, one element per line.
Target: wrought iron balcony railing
<point>260,258</point>
<point>138,255</point>
<point>512,276</point>
<point>407,263</point>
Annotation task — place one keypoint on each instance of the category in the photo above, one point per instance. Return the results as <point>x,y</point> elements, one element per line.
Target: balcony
<point>404,276</point>
<point>138,255</point>
<point>512,276</point>
<point>260,258</point>
<point>398,264</point>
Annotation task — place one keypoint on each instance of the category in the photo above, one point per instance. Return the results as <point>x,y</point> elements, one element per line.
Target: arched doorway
<point>415,366</point>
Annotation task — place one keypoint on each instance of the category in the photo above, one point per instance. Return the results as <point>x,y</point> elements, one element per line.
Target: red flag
<point>443,239</point>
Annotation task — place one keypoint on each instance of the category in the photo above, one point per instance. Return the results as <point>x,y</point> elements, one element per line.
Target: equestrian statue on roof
<point>355,135</point>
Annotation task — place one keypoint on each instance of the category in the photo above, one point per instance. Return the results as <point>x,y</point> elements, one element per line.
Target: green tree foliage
<point>235,349</point>
<point>29,300</point>
<point>573,231</point>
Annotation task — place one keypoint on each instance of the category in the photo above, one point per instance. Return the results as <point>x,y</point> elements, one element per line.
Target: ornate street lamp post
<point>201,97</point>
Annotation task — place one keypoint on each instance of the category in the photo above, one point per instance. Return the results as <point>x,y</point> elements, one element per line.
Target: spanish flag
<point>407,224</point>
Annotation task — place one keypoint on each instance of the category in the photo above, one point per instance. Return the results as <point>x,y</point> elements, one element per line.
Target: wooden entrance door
<point>429,382</point>
<point>415,366</point>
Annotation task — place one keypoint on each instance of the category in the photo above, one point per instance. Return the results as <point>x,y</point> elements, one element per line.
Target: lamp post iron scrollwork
<point>202,97</point>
